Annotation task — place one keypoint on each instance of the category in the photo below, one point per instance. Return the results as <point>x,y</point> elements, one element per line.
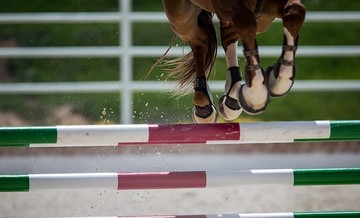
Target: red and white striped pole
<point>178,180</point>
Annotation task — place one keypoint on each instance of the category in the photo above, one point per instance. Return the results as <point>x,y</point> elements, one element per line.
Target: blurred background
<point>85,62</point>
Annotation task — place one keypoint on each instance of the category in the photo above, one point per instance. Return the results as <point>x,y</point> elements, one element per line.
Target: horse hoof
<point>207,114</point>
<point>278,86</point>
<point>254,108</point>
<point>229,108</point>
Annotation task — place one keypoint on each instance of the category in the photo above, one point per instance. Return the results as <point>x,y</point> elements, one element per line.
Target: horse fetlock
<point>258,80</point>
<point>229,107</point>
<point>204,110</point>
<point>202,96</point>
<point>201,99</point>
<point>234,90</point>
<point>233,79</point>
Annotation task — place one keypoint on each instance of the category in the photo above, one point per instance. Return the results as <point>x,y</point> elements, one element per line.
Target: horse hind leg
<point>194,25</point>
<point>281,75</point>
<point>203,46</point>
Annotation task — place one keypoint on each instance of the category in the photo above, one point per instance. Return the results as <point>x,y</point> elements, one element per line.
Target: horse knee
<point>246,26</point>
<point>229,35</point>
<point>294,16</point>
<point>295,8</point>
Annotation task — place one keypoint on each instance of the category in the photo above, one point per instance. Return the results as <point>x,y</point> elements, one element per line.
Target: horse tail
<point>184,68</point>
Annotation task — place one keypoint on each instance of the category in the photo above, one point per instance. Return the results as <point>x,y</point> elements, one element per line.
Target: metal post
<point>126,63</point>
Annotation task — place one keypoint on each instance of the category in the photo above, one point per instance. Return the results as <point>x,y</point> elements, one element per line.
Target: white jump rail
<point>115,17</point>
<point>156,86</point>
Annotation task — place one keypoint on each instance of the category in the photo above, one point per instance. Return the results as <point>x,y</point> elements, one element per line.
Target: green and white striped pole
<point>179,180</point>
<point>150,134</point>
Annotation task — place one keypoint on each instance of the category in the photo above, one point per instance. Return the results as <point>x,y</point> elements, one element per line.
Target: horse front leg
<point>281,76</point>
<point>229,107</point>
<point>253,96</point>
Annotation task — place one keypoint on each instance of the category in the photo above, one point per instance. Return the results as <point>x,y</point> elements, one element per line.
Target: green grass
<point>60,6</point>
<point>315,34</point>
<point>144,34</point>
<point>39,109</point>
<point>161,108</point>
<point>314,106</point>
<point>34,35</point>
<point>307,68</point>
<point>65,69</point>
<point>331,5</point>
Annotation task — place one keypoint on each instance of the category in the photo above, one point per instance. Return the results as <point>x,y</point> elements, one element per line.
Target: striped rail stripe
<point>147,134</point>
<point>179,180</point>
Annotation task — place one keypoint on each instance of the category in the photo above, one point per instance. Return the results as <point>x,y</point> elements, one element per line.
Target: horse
<point>191,21</point>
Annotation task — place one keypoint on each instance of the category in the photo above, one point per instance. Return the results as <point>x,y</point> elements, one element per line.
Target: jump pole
<point>178,180</point>
<point>158,134</point>
<point>320,214</point>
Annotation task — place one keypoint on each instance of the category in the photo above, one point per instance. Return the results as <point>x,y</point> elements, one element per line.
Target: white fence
<point>126,52</point>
